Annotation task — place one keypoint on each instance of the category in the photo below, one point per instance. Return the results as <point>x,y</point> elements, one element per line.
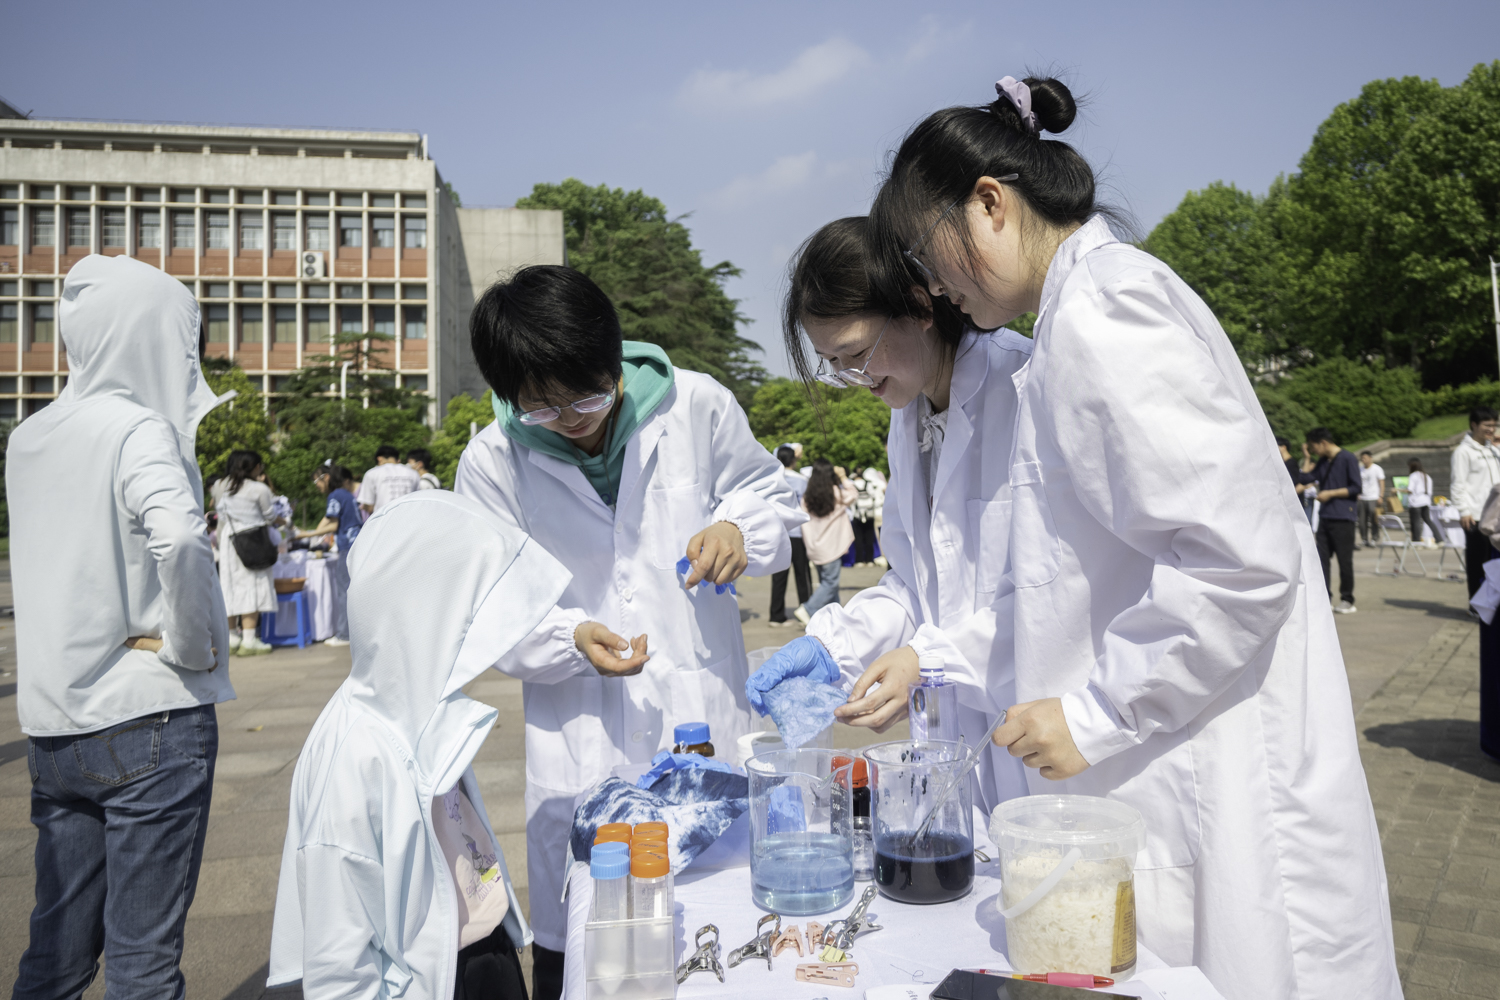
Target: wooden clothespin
<point>828,973</point>
<point>790,938</point>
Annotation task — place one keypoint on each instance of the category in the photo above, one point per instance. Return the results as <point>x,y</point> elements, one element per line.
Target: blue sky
<point>763,120</point>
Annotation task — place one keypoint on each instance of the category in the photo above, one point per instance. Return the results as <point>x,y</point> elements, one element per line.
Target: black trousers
<point>1420,516</point>
<point>1477,552</point>
<point>490,970</point>
<point>1337,537</point>
<point>864,541</point>
<point>1369,526</point>
<point>803,573</point>
<point>1489,688</point>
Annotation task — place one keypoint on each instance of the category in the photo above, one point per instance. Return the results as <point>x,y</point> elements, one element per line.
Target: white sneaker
<point>1345,608</point>
<point>802,616</point>
<point>252,646</point>
<point>335,641</point>
<point>234,642</point>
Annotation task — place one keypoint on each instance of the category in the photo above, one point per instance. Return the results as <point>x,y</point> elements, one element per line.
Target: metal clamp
<point>705,959</point>
<point>841,933</point>
<point>760,946</point>
<point>828,973</point>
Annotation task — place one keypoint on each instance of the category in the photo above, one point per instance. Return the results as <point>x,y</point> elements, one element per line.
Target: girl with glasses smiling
<point>622,466</point>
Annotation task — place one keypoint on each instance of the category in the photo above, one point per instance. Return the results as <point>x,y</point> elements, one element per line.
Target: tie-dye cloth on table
<point>802,708</point>
<point>696,804</point>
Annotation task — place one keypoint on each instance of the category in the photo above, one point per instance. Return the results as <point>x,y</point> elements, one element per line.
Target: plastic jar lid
<point>609,835</point>
<point>604,828</point>
<point>643,865</point>
<point>1101,828</point>
<point>649,838</point>
<point>691,732</point>
<point>610,864</point>
<point>606,846</point>
<point>641,828</point>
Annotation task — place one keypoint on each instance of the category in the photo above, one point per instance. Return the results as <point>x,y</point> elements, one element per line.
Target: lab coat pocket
<point>989,525</point>
<point>714,694</point>
<point>1035,552</point>
<point>670,518</point>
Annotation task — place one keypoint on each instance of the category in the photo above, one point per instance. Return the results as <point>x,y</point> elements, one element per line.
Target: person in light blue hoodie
<point>392,883</point>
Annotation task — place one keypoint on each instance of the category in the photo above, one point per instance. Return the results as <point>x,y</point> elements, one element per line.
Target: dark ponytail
<point>832,276</point>
<point>940,160</point>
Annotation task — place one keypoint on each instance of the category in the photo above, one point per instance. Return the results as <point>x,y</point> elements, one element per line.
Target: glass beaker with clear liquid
<point>801,832</point>
<point>906,779</point>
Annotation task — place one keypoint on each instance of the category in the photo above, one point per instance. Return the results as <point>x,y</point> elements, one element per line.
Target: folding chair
<point>1447,546</point>
<point>1387,523</point>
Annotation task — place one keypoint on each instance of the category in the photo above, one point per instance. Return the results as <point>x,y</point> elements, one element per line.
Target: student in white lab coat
<point>392,883</point>
<point>947,512</point>
<point>620,465</point>
<point>1174,648</point>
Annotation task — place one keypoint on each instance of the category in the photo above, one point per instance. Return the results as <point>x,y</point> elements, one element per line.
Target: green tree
<point>241,423</point>
<point>448,444</point>
<point>647,265</point>
<point>1358,402</point>
<point>851,433</point>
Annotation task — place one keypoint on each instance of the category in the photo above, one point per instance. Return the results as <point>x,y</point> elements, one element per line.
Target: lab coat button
<point>619,526</point>
<point>628,593</point>
<point>637,736</point>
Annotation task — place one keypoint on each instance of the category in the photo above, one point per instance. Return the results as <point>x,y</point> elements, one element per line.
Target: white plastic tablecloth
<point>319,590</point>
<point>917,945</point>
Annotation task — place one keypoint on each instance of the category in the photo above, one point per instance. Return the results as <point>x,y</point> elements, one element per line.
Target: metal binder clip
<point>760,947</point>
<point>790,938</point>
<point>841,933</point>
<point>705,959</point>
<point>828,973</point>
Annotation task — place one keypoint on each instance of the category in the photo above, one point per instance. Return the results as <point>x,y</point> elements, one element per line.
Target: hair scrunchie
<point>1019,94</point>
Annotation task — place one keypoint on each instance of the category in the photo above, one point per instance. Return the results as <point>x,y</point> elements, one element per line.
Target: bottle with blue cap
<point>933,702</point>
<point>692,737</point>
<point>611,887</point>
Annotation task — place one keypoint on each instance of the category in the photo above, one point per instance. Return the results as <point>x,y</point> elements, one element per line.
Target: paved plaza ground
<point>1411,652</point>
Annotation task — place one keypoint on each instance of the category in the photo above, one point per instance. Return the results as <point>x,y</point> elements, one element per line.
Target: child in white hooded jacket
<point>392,883</point>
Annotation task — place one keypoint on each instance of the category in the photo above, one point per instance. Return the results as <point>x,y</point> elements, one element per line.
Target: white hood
<point>439,589</point>
<point>131,330</point>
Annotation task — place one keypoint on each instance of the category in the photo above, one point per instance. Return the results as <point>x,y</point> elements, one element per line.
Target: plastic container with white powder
<point>1067,864</point>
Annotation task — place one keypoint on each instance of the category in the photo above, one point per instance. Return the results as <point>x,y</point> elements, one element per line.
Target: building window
<point>43,327</point>
<point>414,291</point>
<point>38,384</point>
<point>250,325</point>
<point>252,197</point>
<point>43,227</point>
<point>250,290</point>
<point>284,232</point>
<point>189,195</point>
<point>350,292</point>
<point>8,385</point>
<point>182,231</point>
<point>315,291</point>
<point>10,226</point>
<point>112,227</point>
<point>284,198</point>
<point>7,409</point>
<point>216,236</point>
<point>414,201</point>
<point>415,227</point>
<point>113,194</point>
<point>43,192</point>
<point>212,197</point>
<point>11,192</point>
<point>351,231</point>
<point>283,291</point>
<point>79,193</point>
<point>148,194</point>
<point>383,320</point>
<point>8,288</point>
<point>252,231</point>
<point>382,231</point>
<point>8,324</point>
<point>286,324</point>
<point>317,232</point>
<point>349,199</point>
<point>217,290</point>
<point>415,321</point>
<point>351,319</point>
<point>416,383</point>
<point>149,226</point>
<point>41,288</point>
<point>382,201</point>
<point>316,198</point>
<point>78,227</point>
<point>218,323</point>
<point>317,324</point>
<point>382,291</point>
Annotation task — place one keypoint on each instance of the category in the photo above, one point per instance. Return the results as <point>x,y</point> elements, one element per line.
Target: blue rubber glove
<point>804,657</point>
<point>685,566</point>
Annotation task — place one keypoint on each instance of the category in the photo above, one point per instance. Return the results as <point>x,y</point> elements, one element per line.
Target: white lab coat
<point>945,593</point>
<point>108,539</point>
<point>692,462</point>
<point>1168,590</point>
<point>366,905</point>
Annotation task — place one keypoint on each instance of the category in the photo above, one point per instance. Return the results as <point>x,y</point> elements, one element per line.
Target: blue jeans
<point>120,815</point>
<point>828,587</point>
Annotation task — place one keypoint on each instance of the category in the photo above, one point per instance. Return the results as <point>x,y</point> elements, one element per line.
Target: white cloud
<point>785,175</point>
<point>813,69</point>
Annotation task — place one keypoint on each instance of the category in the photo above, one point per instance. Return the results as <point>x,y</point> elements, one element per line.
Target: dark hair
<point>1282,442</point>
<point>1364,453</point>
<point>337,475</point>
<point>547,326</point>
<point>1414,465</point>
<point>831,277</point>
<point>939,162</point>
<point>1480,414</point>
<point>786,456</point>
<point>420,455</point>
<point>240,467</point>
<point>387,451</point>
<point>819,494</point>
<point>1318,434</point>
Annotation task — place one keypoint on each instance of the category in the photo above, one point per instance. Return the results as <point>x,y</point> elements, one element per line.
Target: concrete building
<point>286,237</point>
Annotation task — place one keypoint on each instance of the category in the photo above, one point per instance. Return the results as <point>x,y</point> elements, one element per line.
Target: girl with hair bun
<point>1173,646</point>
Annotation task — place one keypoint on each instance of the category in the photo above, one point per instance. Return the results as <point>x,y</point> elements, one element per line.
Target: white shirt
<point>1475,471</point>
<point>386,482</point>
<point>798,483</point>
<point>108,539</point>
<point>1369,481</point>
<point>429,482</point>
<point>1419,490</point>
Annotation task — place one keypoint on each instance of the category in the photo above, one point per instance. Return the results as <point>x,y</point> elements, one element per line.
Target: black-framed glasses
<point>845,377</point>
<point>588,404</point>
<point>911,255</point>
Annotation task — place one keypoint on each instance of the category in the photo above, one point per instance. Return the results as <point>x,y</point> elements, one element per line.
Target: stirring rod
<point>963,773</point>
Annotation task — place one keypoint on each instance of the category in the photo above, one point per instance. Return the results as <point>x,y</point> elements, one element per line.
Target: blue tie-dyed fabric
<point>802,708</point>
<point>696,804</point>
<point>666,762</point>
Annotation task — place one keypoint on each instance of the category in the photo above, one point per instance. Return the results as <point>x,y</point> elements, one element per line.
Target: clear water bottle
<point>864,835</point>
<point>933,703</point>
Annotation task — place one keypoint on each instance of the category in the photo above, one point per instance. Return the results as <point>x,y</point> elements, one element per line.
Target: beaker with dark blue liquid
<point>907,778</point>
